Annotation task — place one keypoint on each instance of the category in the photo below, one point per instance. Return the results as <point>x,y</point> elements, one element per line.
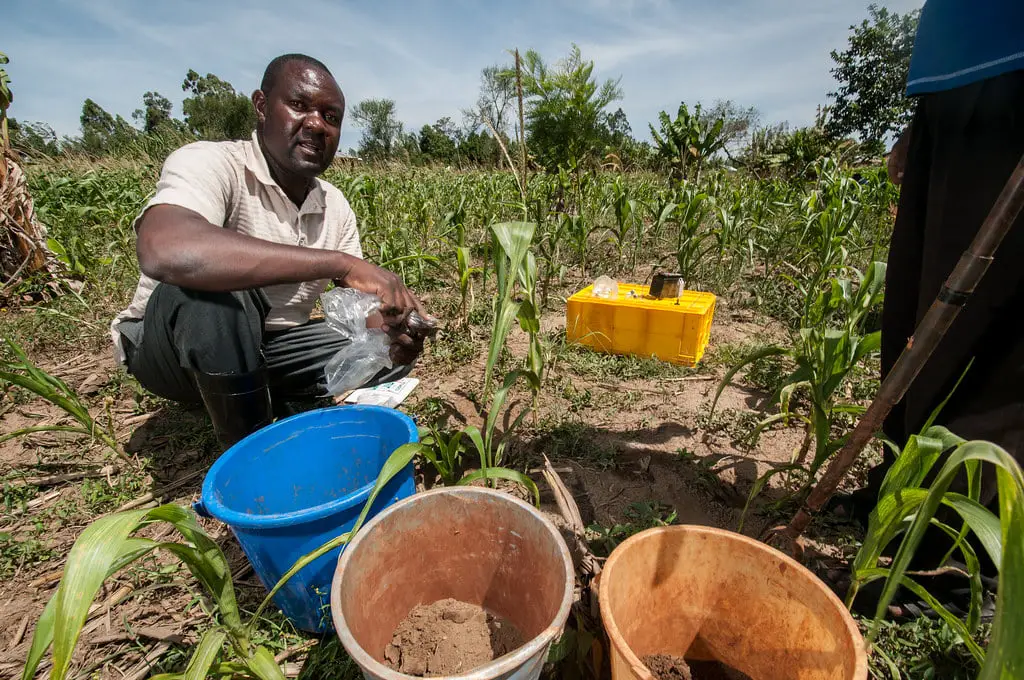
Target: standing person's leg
<point>974,137</point>
<point>296,359</point>
<point>195,346</point>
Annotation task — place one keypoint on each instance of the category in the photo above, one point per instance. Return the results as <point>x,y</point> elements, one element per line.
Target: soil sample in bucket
<point>449,637</point>
<point>668,667</point>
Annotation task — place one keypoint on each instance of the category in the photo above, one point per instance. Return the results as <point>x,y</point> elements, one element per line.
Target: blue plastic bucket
<point>289,488</point>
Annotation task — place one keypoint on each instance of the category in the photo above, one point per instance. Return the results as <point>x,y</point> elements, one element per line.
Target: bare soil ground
<point>631,439</point>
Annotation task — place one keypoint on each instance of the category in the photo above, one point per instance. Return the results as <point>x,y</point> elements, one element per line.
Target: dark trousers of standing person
<point>964,144</point>
<point>211,348</point>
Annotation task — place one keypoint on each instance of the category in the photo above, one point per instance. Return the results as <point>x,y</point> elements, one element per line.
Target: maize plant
<point>829,345</point>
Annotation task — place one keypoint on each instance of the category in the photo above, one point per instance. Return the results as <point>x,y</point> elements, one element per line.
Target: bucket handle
<point>200,509</point>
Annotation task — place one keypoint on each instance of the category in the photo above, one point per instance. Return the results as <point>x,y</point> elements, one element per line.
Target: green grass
<point>329,661</point>
<point>922,649</point>
<point>20,551</point>
<point>99,496</point>
<point>638,517</point>
<point>585,362</point>
<point>577,441</point>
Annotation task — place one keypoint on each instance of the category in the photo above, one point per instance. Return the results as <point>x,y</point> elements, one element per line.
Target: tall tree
<point>215,111</point>
<point>494,103</point>
<point>566,114</point>
<point>738,123</point>
<point>33,138</point>
<point>872,76</point>
<point>101,131</point>
<point>155,112</point>
<point>439,142</point>
<point>381,128</point>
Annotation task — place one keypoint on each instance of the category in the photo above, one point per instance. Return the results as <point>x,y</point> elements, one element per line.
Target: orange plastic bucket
<point>708,594</point>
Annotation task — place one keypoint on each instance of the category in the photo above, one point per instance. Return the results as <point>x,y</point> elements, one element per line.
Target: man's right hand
<point>397,301</point>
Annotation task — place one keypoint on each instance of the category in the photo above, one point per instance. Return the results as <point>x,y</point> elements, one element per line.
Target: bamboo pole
<point>955,293</point>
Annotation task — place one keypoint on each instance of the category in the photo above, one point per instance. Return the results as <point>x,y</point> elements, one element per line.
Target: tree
<point>381,128</point>
<point>480,148</point>
<point>156,112</point>
<point>33,138</point>
<point>215,111</point>
<point>439,142</point>
<point>872,77</point>
<point>101,131</point>
<point>494,104</point>
<point>739,121</point>
<point>695,136</point>
<point>566,108</point>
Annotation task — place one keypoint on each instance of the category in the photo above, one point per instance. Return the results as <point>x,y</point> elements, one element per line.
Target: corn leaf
<point>761,353</point>
<point>206,652</point>
<point>514,239</point>
<point>1005,657</point>
<point>504,473</point>
<point>952,621</point>
<point>263,666</point>
<point>98,548</point>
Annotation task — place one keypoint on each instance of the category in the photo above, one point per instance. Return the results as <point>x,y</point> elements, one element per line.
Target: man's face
<point>300,119</point>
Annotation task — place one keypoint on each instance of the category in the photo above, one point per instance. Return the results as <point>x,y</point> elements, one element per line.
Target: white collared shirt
<point>229,184</point>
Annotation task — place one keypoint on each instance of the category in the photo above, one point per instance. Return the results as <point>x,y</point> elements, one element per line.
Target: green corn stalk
<point>824,357</point>
<point>623,209</point>
<point>690,251</point>
<point>25,374</point>
<point>511,245</point>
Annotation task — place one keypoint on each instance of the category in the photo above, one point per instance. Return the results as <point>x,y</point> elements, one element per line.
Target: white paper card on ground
<point>386,394</point>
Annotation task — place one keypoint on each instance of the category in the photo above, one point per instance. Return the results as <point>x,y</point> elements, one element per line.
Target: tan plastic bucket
<point>709,594</point>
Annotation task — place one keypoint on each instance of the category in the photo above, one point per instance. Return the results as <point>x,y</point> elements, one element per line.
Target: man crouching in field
<point>235,247</point>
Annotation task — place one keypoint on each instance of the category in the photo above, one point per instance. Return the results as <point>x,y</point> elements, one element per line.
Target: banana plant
<point>688,136</point>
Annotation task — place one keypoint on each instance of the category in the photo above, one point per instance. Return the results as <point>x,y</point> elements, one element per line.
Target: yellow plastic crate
<point>675,330</point>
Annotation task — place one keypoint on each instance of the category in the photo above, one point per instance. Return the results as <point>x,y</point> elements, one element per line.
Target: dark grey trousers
<point>185,331</point>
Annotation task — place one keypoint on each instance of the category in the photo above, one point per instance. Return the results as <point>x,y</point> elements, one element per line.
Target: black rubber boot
<point>238,403</point>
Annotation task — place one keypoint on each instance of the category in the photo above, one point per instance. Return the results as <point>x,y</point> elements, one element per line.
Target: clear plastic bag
<point>369,351</point>
<point>606,288</point>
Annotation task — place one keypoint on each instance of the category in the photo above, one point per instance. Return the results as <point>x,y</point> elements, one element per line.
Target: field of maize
<point>798,268</point>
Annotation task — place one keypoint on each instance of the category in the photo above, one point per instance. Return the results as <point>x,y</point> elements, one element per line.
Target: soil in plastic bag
<point>449,637</point>
<point>667,667</point>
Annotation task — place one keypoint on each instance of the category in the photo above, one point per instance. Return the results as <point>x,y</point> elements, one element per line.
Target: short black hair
<point>277,65</point>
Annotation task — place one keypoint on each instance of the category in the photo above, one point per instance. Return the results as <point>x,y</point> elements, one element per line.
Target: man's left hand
<point>405,345</point>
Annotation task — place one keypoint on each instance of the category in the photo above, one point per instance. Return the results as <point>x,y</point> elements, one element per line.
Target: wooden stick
<point>143,668</point>
<point>53,480</point>
<point>289,653</point>
<point>956,292</point>
<point>19,634</point>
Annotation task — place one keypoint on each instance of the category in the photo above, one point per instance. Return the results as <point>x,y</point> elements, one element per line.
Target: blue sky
<point>427,55</point>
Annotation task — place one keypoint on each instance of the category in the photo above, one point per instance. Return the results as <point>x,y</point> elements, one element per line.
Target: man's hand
<point>397,302</point>
<point>897,161</point>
